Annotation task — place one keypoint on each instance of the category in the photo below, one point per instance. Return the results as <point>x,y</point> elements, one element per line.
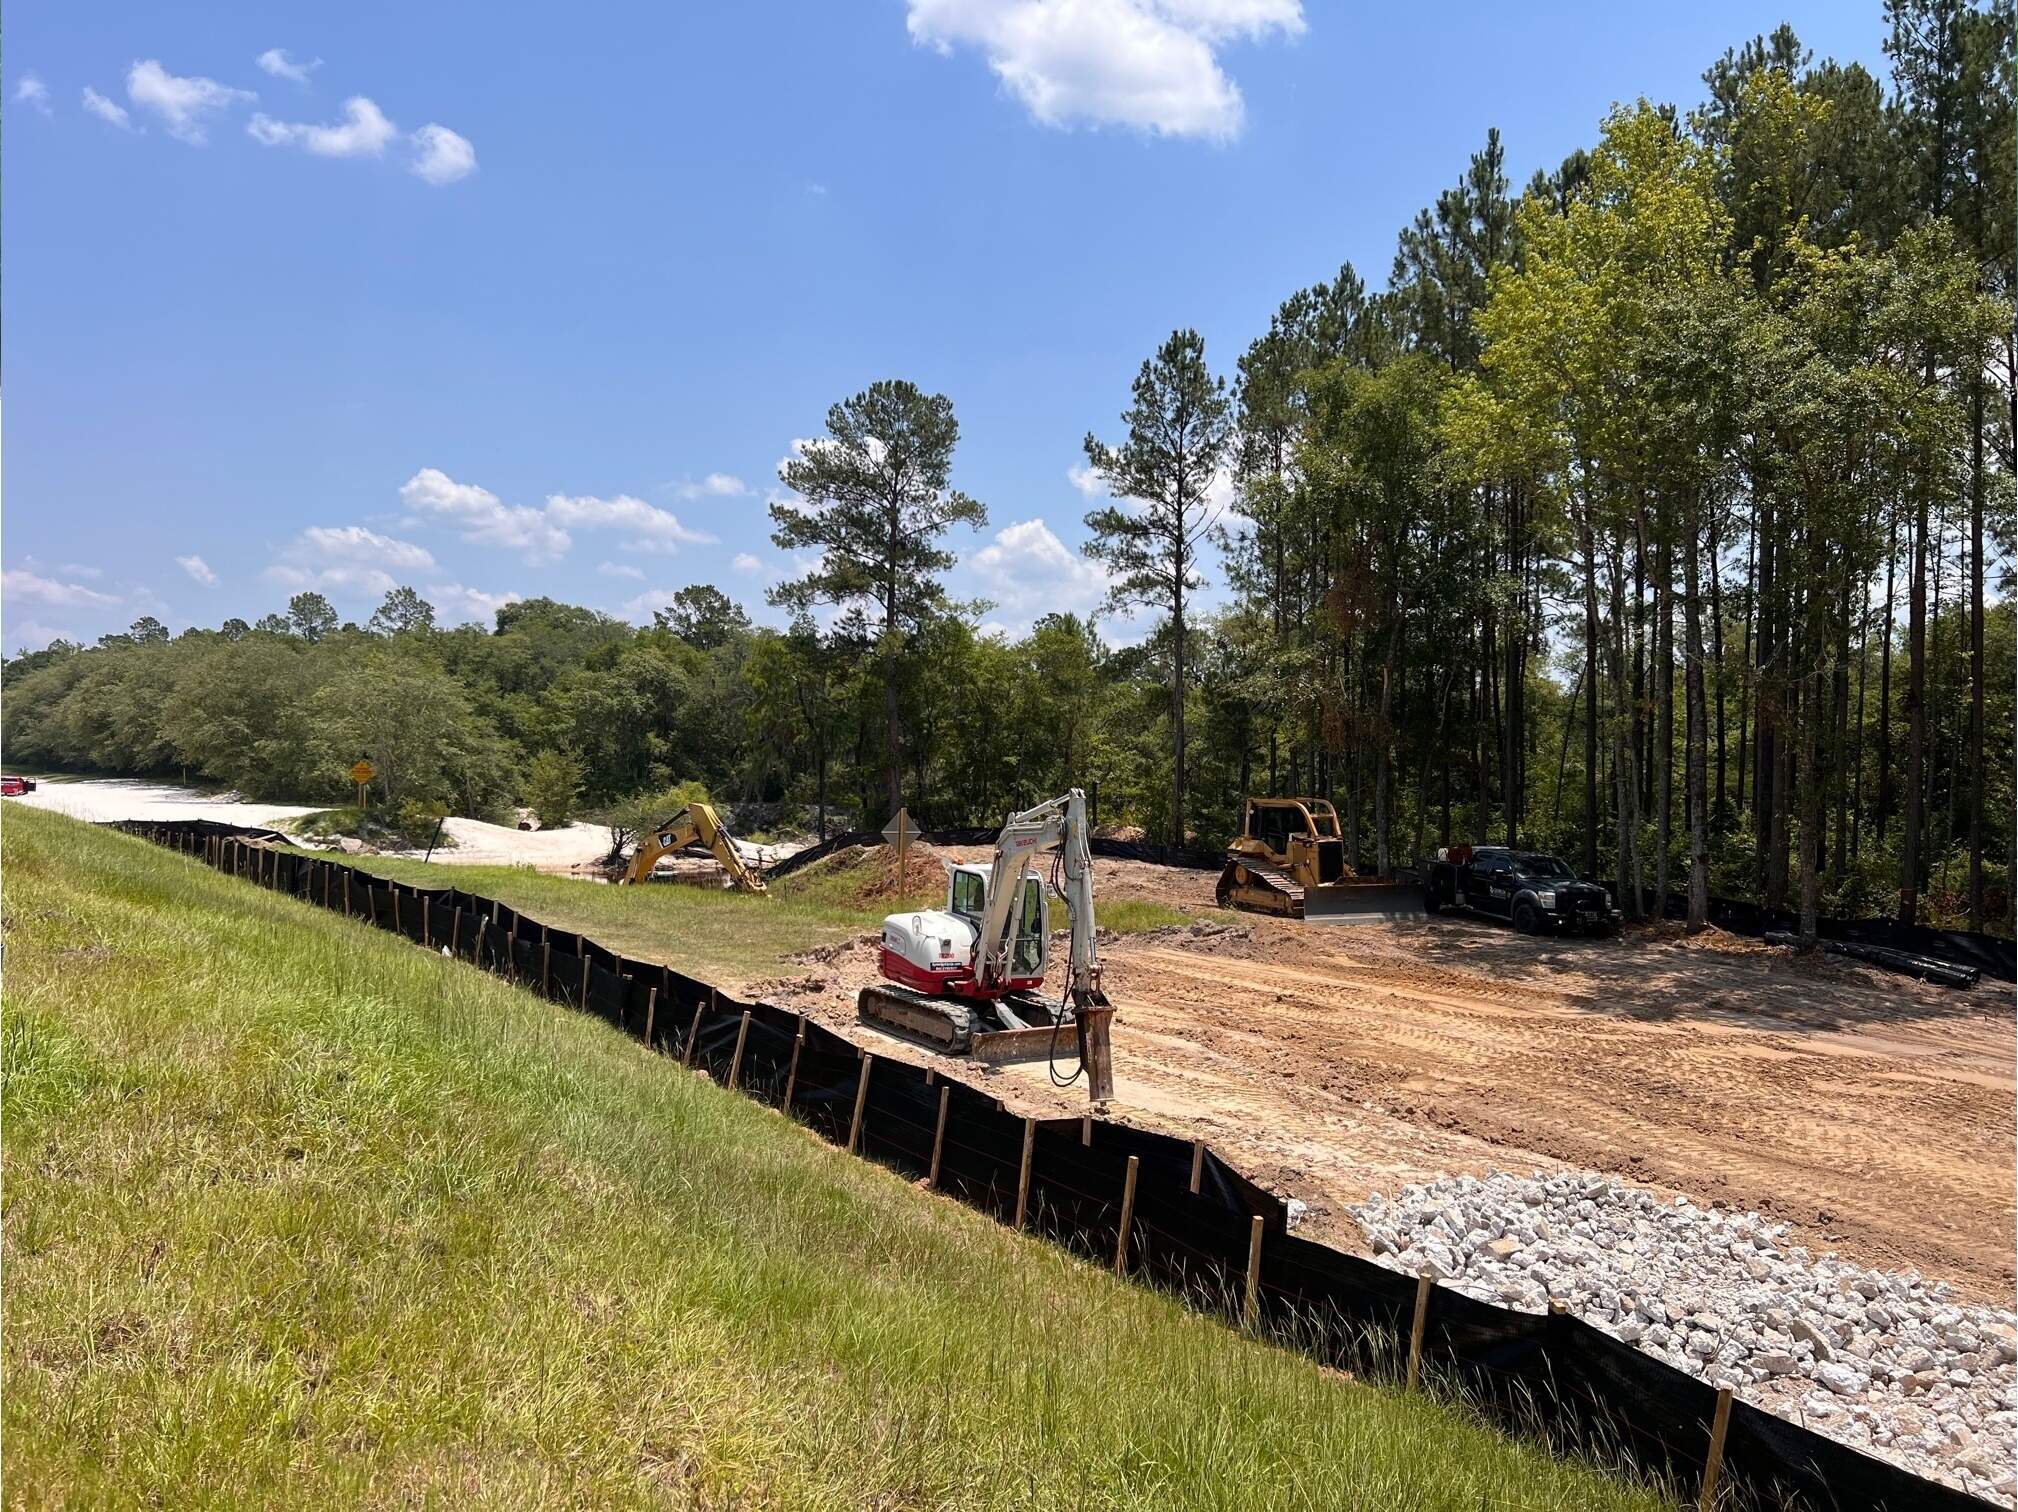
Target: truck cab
<point>1536,891</point>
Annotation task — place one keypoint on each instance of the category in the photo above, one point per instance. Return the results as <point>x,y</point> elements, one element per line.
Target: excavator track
<point>1258,887</point>
<point>943,1023</point>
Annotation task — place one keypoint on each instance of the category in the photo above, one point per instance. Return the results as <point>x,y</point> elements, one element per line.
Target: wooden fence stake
<point>736,1060</point>
<point>1423,1283</point>
<point>1127,1216</point>
<point>395,910</point>
<point>476,950</point>
<point>346,893</point>
<point>792,1075</point>
<point>546,966</point>
<point>693,1033</point>
<point>1197,1164</point>
<point>1023,1176</point>
<point>328,883</point>
<point>651,1013</point>
<point>938,1136</point>
<point>861,1101</point>
<point>426,924</point>
<point>1713,1466</point>
<point>455,933</point>
<point>1250,1307</point>
<point>1086,1131</point>
<point>585,980</point>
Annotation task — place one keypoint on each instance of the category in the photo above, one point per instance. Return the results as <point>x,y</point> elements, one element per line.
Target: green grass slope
<point>298,1214</point>
<point>711,933</point>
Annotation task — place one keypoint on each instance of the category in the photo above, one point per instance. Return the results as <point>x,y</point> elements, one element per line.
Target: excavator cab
<point>1029,944</point>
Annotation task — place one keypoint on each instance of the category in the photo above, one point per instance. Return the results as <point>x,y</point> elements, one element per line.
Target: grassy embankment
<point>722,935</point>
<point>297,1214</point>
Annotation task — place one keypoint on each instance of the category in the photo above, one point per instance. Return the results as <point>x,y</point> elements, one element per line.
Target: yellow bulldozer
<point>1289,860</point>
<point>696,824</point>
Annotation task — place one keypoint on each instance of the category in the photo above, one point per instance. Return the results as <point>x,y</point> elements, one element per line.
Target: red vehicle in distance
<point>14,787</point>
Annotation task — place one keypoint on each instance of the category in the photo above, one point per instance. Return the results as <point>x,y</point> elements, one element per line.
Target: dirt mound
<point>1131,834</point>
<point>867,874</point>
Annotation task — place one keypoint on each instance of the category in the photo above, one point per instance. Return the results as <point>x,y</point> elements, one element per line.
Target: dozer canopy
<point>1289,859</point>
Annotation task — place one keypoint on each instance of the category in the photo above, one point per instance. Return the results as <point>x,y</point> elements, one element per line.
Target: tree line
<point>1660,515</point>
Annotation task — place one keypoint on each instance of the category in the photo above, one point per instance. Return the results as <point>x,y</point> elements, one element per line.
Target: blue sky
<point>499,301</point>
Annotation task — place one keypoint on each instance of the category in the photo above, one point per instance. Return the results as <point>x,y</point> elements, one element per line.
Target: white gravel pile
<point>1881,1360</point>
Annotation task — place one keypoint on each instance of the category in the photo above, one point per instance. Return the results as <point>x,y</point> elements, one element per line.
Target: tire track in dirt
<point>1890,1143</point>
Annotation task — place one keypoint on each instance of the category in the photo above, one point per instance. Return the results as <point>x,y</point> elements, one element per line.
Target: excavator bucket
<point>1362,903</point>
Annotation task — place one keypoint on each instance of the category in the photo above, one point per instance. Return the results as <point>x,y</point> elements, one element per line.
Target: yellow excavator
<point>1289,859</point>
<point>696,824</point>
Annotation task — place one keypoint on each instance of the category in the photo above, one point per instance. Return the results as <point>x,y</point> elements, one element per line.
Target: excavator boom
<point>696,824</point>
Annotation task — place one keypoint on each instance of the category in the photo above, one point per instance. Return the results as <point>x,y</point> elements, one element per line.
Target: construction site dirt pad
<point>1873,1113</point>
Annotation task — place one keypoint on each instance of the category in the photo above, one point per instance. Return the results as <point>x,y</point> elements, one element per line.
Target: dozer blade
<point>939,1022</point>
<point>1362,903</point>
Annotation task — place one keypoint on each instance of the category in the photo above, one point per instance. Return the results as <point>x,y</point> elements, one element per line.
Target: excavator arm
<point>696,824</point>
<point>1062,823</point>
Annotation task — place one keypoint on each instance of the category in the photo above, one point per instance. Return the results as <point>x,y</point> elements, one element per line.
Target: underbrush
<point>299,1214</point>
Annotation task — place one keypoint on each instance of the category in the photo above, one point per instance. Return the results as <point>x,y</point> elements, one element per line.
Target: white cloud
<point>444,155</point>
<point>1150,64</point>
<point>276,62</point>
<point>1027,571</point>
<point>32,91</point>
<point>106,110</point>
<point>657,529</point>
<point>484,518</point>
<point>715,485</point>
<point>79,569</point>
<point>344,581</point>
<point>546,533</point>
<point>363,133</point>
<point>16,583</point>
<point>458,605</point>
<point>356,543</point>
<point>31,635</point>
<point>181,103</point>
<point>639,610</point>
<point>744,562</point>
<point>1087,481</point>
<point>347,560</point>
<point>619,569</point>
<point>197,568</point>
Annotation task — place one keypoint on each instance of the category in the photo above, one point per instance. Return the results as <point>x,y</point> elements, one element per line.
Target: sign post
<point>361,773</point>
<point>898,832</point>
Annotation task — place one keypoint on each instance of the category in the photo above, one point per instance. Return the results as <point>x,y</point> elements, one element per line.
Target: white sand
<point>476,843</point>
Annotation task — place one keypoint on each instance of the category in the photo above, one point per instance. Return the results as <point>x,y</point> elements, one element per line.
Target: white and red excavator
<point>968,978</point>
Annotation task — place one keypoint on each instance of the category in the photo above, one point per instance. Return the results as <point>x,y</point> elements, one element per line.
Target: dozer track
<point>1259,888</point>
<point>943,1023</point>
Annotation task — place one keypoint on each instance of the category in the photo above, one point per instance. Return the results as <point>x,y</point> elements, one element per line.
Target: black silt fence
<point>1550,1375</point>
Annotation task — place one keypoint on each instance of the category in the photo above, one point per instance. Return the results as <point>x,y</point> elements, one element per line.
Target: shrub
<point>553,784</point>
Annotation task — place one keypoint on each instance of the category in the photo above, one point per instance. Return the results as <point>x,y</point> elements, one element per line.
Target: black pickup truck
<point>1536,891</point>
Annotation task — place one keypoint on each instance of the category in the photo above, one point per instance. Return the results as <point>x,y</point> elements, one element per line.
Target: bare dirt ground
<point>1873,1113</point>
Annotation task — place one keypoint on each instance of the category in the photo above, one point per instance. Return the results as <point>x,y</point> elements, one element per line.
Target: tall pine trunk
<point>1977,774</point>
<point>1664,712</point>
<point>1590,702</point>
<point>1697,736</point>
<point>1916,713</point>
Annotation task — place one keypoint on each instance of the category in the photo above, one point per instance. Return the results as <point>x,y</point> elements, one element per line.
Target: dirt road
<point>1873,1113</point>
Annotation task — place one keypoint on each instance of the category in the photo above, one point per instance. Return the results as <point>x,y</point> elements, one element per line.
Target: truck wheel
<point>1525,919</point>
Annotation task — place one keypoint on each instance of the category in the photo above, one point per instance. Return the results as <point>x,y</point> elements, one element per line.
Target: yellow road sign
<point>362,773</point>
